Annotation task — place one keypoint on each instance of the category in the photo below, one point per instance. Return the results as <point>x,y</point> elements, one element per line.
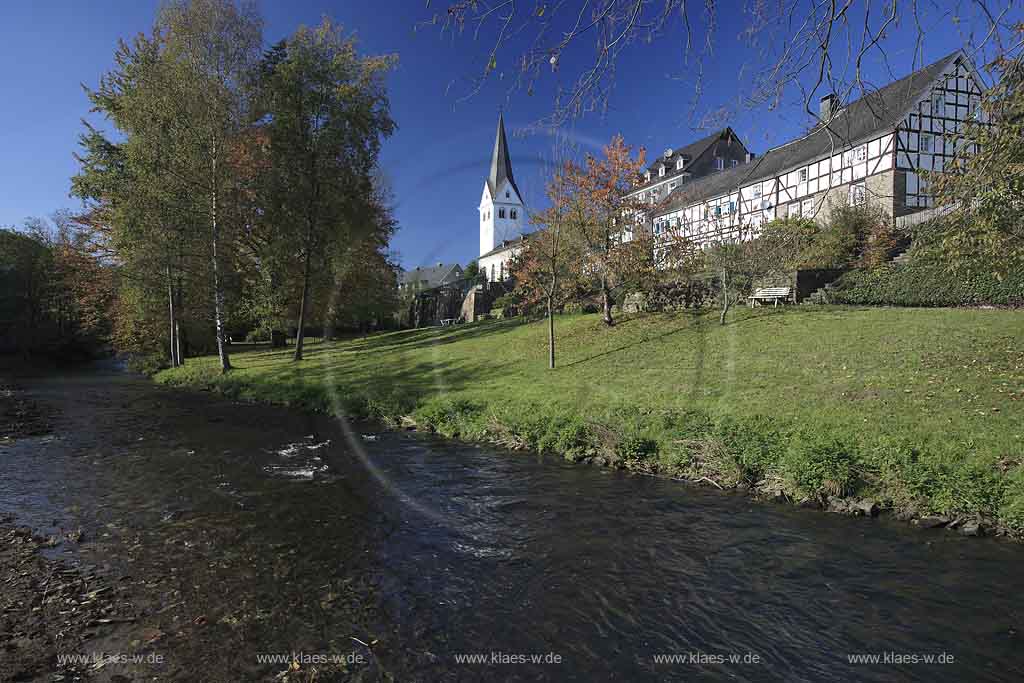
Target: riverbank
<point>915,412</point>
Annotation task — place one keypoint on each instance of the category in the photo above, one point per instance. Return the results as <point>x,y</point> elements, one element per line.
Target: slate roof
<point>694,151</point>
<point>501,162</point>
<point>506,244</point>
<point>434,275</point>
<point>867,117</point>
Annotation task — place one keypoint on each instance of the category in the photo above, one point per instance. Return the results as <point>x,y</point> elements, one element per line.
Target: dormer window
<point>679,164</point>
<point>647,176</point>
<point>513,214</point>
<point>501,213</point>
<point>507,195</point>
<point>661,171</point>
<point>938,105</point>
<point>719,163</point>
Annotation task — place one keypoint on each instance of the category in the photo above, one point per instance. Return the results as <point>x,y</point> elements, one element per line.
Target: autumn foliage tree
<point>548,270</point>
<point>617,251</point>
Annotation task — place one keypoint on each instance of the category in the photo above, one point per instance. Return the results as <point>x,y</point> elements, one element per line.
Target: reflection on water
<point>522,555</point>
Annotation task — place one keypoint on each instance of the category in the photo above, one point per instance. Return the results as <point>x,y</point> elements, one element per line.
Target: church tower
<point>501,206</point>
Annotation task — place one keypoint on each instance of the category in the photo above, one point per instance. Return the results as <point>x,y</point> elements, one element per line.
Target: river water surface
<point>260,529</point>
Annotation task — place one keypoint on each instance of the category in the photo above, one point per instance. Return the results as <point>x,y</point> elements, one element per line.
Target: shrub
<point>448,417</point>
<point>755,445</point>
<point>924,281</point>
<point>817,466</point>
<point>1011,512</point>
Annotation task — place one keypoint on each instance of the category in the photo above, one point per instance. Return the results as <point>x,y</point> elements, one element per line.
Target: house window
<point>793,210</point>
<point>756,192</point>
<point>513,214</point>
<point>938,105</point>
<point>858,194</point>
<point>718,210</point>
<point>974,108</point>
<point>860,153</point>
<point>801,175</point>
<point>661,171</point>
<point>671,186</point>
<point>492,272</point>
<point>926,143</point>
<point>501,213</point>
<point>647,176</point>
<point>719,163</point>
<point>679,164</point>
<point>734,163</point>
<point>732,207</point>
<point>807,208</point>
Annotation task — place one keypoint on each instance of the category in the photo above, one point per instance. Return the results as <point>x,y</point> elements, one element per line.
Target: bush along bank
<point>926,282</point>
<point>773,459</point>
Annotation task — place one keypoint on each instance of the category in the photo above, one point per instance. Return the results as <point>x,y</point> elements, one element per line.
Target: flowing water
<point>290,532</point>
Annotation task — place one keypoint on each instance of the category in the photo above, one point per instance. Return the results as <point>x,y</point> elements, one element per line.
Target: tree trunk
<point>551,335</point>
<point>300,335</point>
<point>606,303</point>
<point>172,323</point>
<point>218,292</point>
<point>177,339</point>
<point>725,296</point>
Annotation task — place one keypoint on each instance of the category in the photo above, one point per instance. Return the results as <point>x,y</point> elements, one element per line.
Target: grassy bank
<point>919,410</point>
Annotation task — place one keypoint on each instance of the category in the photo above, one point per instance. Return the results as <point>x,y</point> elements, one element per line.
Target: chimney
<point>828,107</point>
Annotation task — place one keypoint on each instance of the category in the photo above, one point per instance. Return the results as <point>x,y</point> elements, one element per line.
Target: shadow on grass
<point>691,320</point>
<point>430,336</point>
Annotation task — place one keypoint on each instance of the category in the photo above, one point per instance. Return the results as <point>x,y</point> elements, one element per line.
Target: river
<point>252,529</point>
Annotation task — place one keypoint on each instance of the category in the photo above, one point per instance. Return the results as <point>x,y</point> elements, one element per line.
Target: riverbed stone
<point>932,522</point>
<point>971,528</point>
<point>866,507</point>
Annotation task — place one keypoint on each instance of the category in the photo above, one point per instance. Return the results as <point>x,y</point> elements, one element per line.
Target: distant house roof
<point>867,117</point>
<point>506,245</point>
<point>689,154</point>
<point>501,162</point>
<point>433,275</point>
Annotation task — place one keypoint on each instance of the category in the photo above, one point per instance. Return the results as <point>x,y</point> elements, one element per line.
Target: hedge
<point>923,282</point>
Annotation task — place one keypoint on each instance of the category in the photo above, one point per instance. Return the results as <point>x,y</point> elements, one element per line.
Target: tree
<point>984,229</point>
<point>209,52</point>
<point>616,253</point>
<point>546,270</point>
<point>180,99</point>
<point>810,49</point>
<point>326,113</point>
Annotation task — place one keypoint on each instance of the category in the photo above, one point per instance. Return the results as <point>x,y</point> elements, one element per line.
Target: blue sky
<point>438,159</point>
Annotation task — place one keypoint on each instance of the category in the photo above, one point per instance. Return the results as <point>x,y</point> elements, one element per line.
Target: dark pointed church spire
<point>501,162</point>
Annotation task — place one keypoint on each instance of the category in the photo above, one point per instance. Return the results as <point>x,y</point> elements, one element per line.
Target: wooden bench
<point>448,321</point>
<point>773,294</point>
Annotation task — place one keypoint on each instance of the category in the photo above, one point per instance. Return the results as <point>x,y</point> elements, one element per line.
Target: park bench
<point>773,294</point>
<point>448,321</point>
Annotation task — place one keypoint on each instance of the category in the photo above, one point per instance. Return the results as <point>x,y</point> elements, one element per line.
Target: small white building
<point>502,213</point>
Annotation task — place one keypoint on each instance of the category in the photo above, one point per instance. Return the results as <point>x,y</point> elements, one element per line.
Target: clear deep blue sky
<point>439,157</point>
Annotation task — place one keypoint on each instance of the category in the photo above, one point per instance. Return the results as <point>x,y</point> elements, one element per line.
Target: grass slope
<point>920,409</point>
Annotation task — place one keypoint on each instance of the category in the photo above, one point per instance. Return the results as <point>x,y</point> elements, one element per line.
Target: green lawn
<point>679,393</point>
